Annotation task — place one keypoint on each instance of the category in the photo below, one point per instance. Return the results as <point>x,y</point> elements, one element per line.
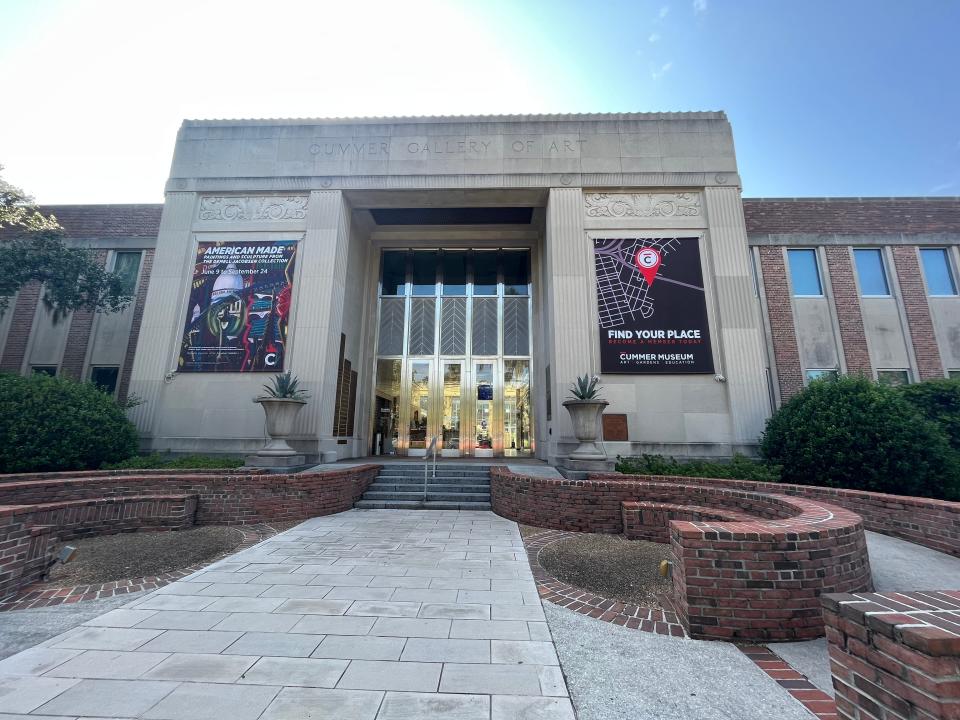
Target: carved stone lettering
<point>253,208</point>
<point>642,204</point>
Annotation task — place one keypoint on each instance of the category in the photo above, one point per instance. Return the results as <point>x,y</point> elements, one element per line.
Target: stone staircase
<point>457,486</point>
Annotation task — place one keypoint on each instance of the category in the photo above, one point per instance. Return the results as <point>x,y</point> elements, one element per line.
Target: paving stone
<point>490,597</point>
<point>258,622</point>
<point>455,611</point>
<point>539,630</point>
<point>215,576</point>
<point>274,644</point>
<point>399,582</point>
<point>202,701</point>
<point>460,583</point>
<point>490,679</point>
<point>342,580</point>
<point>245,604</point>
<point>523,652</point>
<point>183,620</point>
<point>296,591</point>
<point>201,668</point>
<point>446,650</point>
<point>108,698</point>
<point>424,595</point>
<point>281,579</point>
<point>120,618</point>
<point>92,638</point>
<point>490,629</point>
<point>264,567</point>
<point>174,602</point>
<point>517,707</point>
<point>411,627</point>
<point>384,609</point>
<point>306,672</point>
<point>333,625</point>
<point>552,682</point>
<point>360,593</point>
<point>108,665</point>
<point>185,641</point>
<point>360,647</point>
<point>517,612</point>
<point>35,661</point>
<point>308,606</point>
<point>387,675</point>
<point>434,706</point>
<point>231,590</point>
<point>301,703</point>
<point>24,694</point>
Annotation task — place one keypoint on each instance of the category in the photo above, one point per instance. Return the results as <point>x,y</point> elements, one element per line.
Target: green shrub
<point>54,423</point>
<point>857,434</point>
<point>156,461</point>
<point>738,468</point>
<point>938,401</point>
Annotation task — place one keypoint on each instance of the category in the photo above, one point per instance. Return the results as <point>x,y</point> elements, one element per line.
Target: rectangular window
<point>870,272</point>
<point>937,271</point>
<point>893,377</point>
<point>127,265</point>
<point>953,374</point>
<point>516,272</point>
<point>50,370</point>
<point>105,378</point>
<point>829,374</point>
<point>485,272</point>
<point>805,273</point>
<point>393,273</point>
<point>454,265</point>
<point>425,272</point>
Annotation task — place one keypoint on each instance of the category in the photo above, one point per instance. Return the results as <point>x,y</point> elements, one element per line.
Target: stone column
<point>741,334</point>
<point>318,317</point>
<point>570,335</point>
<point>161,327</point>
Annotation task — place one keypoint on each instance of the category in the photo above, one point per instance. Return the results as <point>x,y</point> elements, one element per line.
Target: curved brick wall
<point>39,510</point>
<point>757,577</point>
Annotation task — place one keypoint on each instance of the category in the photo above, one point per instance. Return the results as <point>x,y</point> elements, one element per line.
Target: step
<point>441,472</point>
<point>439,480</point>
<point>432,487</point>
<point>452,496</point>
<point>414,505</point>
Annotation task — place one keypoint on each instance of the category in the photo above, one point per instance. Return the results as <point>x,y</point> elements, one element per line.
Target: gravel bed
<point>142,554</point>
<point>609,565</point>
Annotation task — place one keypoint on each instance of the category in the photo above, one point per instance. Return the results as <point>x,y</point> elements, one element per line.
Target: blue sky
<point>841,98</point>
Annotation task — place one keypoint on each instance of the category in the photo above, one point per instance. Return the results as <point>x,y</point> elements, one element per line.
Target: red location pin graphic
<point>648,262</point>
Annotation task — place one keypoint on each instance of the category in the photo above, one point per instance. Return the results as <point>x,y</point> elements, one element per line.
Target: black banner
<point>653,309</point>
<point>239,307</point>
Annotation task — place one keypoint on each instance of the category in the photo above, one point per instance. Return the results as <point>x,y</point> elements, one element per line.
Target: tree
<point>33,249</point>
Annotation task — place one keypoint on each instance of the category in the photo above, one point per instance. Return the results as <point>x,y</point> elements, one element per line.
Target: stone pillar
<point>161,327</point>
<point>741,332</point>
<point>571,340</point>
<point>317,319</point>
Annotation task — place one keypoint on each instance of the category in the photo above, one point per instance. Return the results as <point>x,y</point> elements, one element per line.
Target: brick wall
<point>78,337</point>
<point>135,324</point>
<point>39,510</point>
<point>18,335</point>
<point>895,655</point>
<point>852,216</point>
<point>846,299</point>
<point>783,333</point>
<point>917,310</point>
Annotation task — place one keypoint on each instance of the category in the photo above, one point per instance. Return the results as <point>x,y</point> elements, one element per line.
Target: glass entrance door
<point>419,410</point>
<point>451,410</point>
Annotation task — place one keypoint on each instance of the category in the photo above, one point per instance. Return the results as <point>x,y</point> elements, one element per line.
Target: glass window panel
<point>893,377</point>
<point>388,405</point>
<point>804,272</point>
<point>516,272</point>
<point>870,272</point>
<point>484,380</point>
<point>830,374</point>
<point>452,396</point>
<point>423,321</point>
<point>50,370</point>
<point>485,272</point>
<point>419,404</point>
<point>953,374</point>
<point>127,265</point>
<point>516,407</point>
<point>454,273</point>
<point>392,311</point>
<point>393,275</point>
<point>425,273</point>
<point>105,378</point>
<point>516,326</point>
<point>453,326</point>
<point>485,326</point>
<point>937,271</point>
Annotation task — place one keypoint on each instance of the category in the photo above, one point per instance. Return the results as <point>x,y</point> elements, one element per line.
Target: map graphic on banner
<point>239,307</point>
<point>652,306</point>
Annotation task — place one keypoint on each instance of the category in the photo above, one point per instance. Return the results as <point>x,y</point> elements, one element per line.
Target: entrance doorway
<point>454,353</point>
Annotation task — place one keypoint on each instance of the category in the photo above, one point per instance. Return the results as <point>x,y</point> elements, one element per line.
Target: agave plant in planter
<point>585,408</point>
<point>282,403</point>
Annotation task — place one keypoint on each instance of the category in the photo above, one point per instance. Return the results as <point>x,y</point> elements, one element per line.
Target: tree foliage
<point>33,249</point>
<point>939,401</point>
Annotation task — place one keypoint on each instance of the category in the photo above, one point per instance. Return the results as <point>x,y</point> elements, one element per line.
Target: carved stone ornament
<point>253,209</point>
<point>642,204</point>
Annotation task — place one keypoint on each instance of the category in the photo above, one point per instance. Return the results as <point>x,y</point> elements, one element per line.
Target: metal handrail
<point>432,448</point>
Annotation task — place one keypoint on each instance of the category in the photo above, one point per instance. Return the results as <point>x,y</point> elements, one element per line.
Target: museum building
<point>450,277</point>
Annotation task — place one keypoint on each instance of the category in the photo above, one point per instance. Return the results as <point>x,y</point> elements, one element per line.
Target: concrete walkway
<point>386,615</point>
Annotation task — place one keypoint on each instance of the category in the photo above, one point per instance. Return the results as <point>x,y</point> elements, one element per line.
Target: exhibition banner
<point>238,313</point>
<point>652,306</point>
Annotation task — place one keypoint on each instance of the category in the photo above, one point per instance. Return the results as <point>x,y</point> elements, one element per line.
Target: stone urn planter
<point>281,415</point>
<point>585,415</point>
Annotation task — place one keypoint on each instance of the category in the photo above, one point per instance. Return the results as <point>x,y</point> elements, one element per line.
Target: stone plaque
<point>615,427</point>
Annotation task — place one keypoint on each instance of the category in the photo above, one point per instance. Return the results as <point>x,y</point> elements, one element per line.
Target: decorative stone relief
<point>253,209</point>
<point>642,204</point>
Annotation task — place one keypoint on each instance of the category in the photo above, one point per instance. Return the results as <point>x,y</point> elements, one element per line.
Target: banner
<point>653,309</point>
<point>239,307</point>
